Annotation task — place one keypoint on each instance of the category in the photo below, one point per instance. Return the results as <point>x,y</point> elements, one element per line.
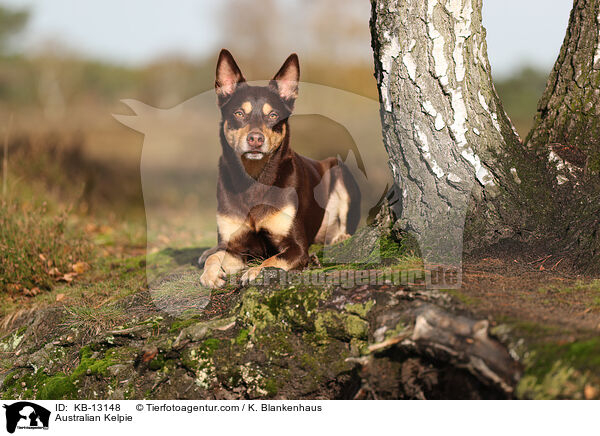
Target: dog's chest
<point>276,222</point>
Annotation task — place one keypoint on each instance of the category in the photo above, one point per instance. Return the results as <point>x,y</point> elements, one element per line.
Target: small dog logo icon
<point>24,414</point>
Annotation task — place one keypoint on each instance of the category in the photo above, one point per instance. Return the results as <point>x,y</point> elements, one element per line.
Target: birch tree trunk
<point>566,134</point>
<point>443,124</point>
<point>459,164</point>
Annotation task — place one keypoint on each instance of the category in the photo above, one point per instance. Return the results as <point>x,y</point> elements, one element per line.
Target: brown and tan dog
<point>272,202</point>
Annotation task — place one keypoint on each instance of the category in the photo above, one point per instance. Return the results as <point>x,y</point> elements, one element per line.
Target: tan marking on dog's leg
<point>247,107</point>
<point>231,227</point>
<point>275,262</point>
<point>279,223</point>
<point>267,108</point>
<point>232,264</point>
<point>334,226</point>
<point>272,262</point>
<point>343,206</point>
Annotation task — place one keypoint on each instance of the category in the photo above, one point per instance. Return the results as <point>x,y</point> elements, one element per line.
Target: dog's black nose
<point>255,139</point>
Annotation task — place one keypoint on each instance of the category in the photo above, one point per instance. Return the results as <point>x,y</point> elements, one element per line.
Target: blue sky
<point>524,32</point>
<point>123,31</point>
<point>137,31</point>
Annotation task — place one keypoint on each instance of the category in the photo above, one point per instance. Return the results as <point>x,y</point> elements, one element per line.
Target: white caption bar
<point>299,417</point>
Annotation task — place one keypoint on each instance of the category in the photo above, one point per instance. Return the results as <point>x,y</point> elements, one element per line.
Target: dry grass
<point>37,250</point>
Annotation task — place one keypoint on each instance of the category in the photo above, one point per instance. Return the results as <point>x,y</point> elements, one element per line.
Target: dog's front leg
<point>292,257</point>
<point>217,266</point>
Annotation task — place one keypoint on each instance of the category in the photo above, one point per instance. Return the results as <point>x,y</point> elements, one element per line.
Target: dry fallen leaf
<point>32,292</point>
<point>590,392</point>
<point>54,271</point>
<point>106,229</point>
<point>60,297</point>
<point>42,257</point>
<point>149,355</point>
<point>80,267</point>
<point>14,287</point>
<point>68,277</point>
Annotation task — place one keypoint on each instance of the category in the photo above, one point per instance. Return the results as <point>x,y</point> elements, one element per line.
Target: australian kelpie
<point>272,202</point>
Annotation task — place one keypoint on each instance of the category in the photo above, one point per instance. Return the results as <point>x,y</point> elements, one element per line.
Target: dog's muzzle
<point>255,141</point>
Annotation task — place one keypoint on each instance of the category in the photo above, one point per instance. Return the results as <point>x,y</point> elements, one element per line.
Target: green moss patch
<point>555,371</point>
<point>62,385</point>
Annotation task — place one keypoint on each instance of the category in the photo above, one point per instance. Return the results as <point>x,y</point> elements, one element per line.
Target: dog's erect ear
<point>286,79</point>
<point>228,75</point>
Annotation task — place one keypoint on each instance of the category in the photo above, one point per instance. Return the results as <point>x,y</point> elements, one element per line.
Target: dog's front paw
<point>250,275</point>
<point>213,278</point>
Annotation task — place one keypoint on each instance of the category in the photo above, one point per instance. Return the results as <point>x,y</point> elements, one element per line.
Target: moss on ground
<point>38,384</point>
<point>465,299</point>
<point>382,251</point>
<point>11,341</point>
<point>556,364</point>
<point>555,371</point>
<point>360,309</point>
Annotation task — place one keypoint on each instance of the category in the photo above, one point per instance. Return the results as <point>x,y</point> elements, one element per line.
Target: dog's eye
<point>239,114</point>
<point>273,116</point>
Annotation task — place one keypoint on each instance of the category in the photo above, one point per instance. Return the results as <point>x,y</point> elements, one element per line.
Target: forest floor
<point>537,305</point>
<point>532,286</point>
<point>505,283</point>
<point>93,281</point>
